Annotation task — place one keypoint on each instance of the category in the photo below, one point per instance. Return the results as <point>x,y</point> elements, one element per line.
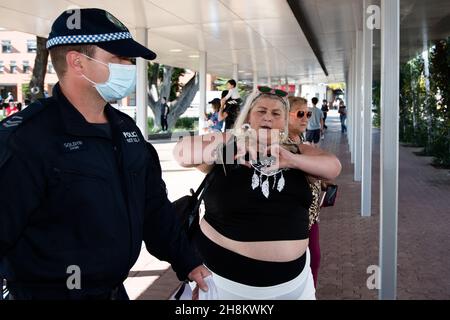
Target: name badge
<point>73,146</point>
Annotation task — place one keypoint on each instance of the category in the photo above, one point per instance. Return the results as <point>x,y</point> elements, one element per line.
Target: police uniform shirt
<point>71,194</point>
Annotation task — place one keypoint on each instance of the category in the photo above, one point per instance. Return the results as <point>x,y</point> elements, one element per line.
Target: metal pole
<point>350,100</point>
<point>347,92</point>
<point>141,86</point>
<point>354,126</point>
<point>358,107</point>
<point>297,89</point>
<point>202,89</point>
<point>255,81</point>
<point>235,72</point>
<point>366,185</point>
<point>390,53</point>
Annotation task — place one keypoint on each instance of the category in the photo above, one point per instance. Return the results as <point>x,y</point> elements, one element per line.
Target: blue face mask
<point>121,82</point>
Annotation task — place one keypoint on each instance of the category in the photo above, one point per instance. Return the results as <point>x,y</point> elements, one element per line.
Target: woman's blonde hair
<point>297,100</point>
<point>251,101</point>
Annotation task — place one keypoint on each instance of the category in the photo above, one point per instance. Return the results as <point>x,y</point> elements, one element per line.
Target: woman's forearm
<point>317,163</point>
<point>324,167</point>
<point>193,151</point>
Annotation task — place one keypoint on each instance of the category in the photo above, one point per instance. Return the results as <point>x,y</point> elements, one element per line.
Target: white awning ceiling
<point>261,36</point>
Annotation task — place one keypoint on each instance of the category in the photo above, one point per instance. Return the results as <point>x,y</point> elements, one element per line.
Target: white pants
<point>300,288</point>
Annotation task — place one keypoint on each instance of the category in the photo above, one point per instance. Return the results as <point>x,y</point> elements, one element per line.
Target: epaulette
<point>13,122</point>
<point>10,124</point>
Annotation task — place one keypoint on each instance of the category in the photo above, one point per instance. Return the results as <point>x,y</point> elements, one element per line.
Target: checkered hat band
<point>81,39</point>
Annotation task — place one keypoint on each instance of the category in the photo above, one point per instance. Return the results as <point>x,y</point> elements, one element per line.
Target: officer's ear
<point>74,61</point>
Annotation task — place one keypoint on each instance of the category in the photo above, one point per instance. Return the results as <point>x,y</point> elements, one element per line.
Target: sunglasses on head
<point>300,114</point>
<point>269,90</point>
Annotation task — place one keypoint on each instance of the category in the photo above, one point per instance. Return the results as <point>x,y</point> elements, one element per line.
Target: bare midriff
<point>274,251</point>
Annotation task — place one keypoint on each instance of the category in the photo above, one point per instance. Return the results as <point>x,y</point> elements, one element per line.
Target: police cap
<point>96,27</point>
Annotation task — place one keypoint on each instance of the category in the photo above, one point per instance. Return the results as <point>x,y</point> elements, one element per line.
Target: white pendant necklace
<point>261,179</point>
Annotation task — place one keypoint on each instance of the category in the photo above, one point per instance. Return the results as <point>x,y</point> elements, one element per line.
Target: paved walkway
<point>349,242</point>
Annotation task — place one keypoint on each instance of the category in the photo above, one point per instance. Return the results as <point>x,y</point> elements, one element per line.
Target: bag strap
<point>199,196</point>
<point>201,191</point>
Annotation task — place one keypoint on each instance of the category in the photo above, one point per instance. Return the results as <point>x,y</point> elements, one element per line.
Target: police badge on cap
<point>100,28</point>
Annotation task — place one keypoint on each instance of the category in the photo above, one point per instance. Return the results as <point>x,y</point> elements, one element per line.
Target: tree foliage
<point>376,96</point>
<point>424,119</point>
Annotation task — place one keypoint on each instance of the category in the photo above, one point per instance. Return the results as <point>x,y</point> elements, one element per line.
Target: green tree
<point>440,88</point>
<point>376,95</point>
<point>413,128</point>
<point>424,101</point>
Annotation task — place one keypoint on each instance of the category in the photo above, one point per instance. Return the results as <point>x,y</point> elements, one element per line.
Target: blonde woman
<point>254,235</point>
<point>298,122</point>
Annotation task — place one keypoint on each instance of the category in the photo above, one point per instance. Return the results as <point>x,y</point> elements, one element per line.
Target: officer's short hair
<point>59,53</point>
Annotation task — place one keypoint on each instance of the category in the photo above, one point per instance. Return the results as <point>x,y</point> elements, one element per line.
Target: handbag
<point>187,208</point>
<point>329,196</point>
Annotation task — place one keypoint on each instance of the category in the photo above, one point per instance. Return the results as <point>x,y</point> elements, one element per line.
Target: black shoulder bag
<point>187,208</point>
<point>329,196</point>
<point>188,211</point>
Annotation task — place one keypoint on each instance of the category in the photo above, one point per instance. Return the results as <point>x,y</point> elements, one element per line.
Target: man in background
<point>164,114</point>
<point>315,124</point>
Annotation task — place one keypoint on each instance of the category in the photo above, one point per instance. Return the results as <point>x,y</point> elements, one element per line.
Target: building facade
<point>17,55</point>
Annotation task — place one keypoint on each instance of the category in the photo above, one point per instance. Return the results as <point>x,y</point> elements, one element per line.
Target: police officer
<point>80,189</point>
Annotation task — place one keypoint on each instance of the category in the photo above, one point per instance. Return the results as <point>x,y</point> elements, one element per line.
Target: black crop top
<point>242,213</point>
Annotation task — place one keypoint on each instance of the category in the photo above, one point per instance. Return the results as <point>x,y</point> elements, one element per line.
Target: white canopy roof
<point>261,36</point>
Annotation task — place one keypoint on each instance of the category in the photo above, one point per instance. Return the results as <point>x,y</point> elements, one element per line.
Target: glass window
<point>26,66</point>
<point>6,46</point>
<point>13,66</point>
<point>2,66</point>
<point>31,46</point>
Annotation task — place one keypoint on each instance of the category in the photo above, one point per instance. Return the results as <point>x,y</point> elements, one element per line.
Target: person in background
<point>11,109</point>
<point>9,98</point>
<point>325,110</point>
<point>230,105</point>
<point>164,114</point>
<point>214,125</point>
<point>299,116</point>
<point>315,124</point>
<point>343,116</point>
<point>298,121</point>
